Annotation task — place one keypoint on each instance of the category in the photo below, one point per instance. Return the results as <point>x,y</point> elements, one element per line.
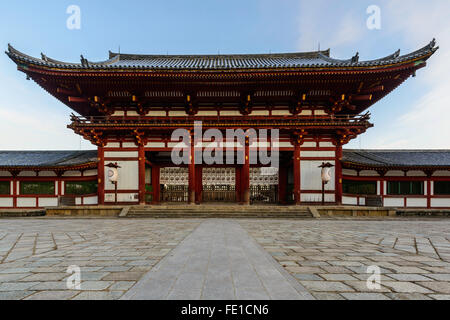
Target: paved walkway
<point>219,260</point>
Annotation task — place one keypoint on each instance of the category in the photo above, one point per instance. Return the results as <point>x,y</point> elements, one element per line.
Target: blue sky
<point>416,115</point>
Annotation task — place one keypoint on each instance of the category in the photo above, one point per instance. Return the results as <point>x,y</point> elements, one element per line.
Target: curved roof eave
<point>319,59</point>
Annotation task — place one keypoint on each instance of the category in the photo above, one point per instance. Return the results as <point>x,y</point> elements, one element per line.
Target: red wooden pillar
<point>429,193</point>
<point>156,184</point>
<point>338,175</point>
<point>245,174</point>
<point>198,184</point>
<point>101,176</point>
<point>141,175</point>
<point>238,181</point>
<point>282,184</point>
<point>14,191</point>
<point>297,180</point>
<point>191,187</point>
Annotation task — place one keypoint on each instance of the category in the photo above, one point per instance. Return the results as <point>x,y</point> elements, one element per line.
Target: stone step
<point>219,212</point>
<point>218,216</point>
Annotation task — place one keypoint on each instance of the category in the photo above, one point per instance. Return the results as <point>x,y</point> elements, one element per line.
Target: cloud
<point>421,114</point>
<point>339,30</point>
<point>427,124</point>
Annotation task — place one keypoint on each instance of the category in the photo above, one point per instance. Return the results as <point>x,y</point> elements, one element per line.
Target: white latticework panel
<point>219,176</point>
<point>174,176</point>
<point>263,176</point>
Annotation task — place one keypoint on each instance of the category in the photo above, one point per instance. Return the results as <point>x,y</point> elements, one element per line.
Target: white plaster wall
<point>128,176</point>
<point>280,112</point>
<point>132,113</point>
<point>90,200</point>
<point>5,174</point>
<point>129,145</point>
<point>305,113</point>
<point>121,197</point>
<point>326,144</point>
<point>72,174</point>
<point>177,114</point>
<point>47,202</point>
<point>349,200</point>
<point>112,145</point>
<point>416,203</point>
<point>393,202</point>
<point>311,176</point>
<point>395,173</point>
<point>440,202</point>
<point>284,144</point>
<point>316,197</point>
<point>362,201</point>
<point>260,113</point>
<point>47,174</point>
<point>368,173</point>
<point>121,154</point>
<point>309,144</point>
<point>207,113</point>
<point>157,114</point>
<point>26,202</point>
<point>320,112</point>
<point>349,172</point>
<point>155,145</point>
<point>379,188</point>
<point>444,173</point>
<point>89,173</point>
<point>230,113</point>
<point>318,154</point>
<point>27,174</point>
<point>415,174</point>
<point>6,202</point>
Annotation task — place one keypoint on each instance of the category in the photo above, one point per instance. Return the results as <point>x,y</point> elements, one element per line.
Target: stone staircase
<point>222,211</point>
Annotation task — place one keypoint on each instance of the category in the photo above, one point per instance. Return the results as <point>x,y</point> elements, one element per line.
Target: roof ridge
<point>306,54</point>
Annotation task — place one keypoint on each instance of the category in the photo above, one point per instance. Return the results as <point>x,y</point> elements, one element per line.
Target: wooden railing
<point>264,194</point>
<point>219,193</point>
<point>215,121</point>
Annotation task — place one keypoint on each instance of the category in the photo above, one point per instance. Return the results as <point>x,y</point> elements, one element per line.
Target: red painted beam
<point>77,99</point>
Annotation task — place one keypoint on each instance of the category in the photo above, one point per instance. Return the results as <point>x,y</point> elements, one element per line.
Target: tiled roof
<point>398,158</point>
<point>46,159</point>
<point>319,59</point>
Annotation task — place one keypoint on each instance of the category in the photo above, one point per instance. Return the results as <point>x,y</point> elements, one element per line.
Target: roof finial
<point>433,43</point>
<point>84,61</point>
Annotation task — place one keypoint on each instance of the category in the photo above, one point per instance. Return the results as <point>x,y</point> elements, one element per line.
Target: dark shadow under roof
<point>398,158</point>
<point>46,158</point>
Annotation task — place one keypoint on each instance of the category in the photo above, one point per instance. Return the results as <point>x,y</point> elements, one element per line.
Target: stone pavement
<point>111,253</point>
<point>218,261</point>
<point>329,258</point>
